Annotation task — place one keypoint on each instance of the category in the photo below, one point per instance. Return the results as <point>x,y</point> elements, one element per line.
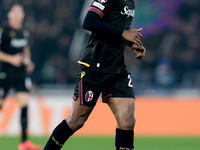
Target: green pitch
<point>107,143</point>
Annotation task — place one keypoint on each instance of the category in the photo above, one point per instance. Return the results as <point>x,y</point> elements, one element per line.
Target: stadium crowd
<point>174,63</point>
<point>52,24</point>
<point>186,45</point>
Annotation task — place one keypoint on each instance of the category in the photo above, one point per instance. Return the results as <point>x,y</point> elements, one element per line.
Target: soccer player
<point>16,63</point>
<point>102,70</point>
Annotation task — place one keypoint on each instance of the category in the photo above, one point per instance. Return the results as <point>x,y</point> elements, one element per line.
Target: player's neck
<point>15,25</point>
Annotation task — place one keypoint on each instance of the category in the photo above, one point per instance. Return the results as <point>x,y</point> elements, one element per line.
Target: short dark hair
<point>15,4</point>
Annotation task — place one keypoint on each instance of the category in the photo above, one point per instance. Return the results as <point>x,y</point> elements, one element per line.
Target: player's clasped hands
<point>140,51</point>
<point>135,36</point>
<point>30,67</point>
<point>16,60</point>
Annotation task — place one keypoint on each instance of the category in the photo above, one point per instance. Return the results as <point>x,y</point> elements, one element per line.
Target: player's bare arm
<point>27,60</point>
<point>133,35</point>
<point>15,60</point>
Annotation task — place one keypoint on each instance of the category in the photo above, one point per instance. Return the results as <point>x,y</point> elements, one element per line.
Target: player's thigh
<point>22,91</point>
<point>121,99</point>
<point>5,84</point>
<point>23,98</point>
<point>78,116</point>
<point>123,110</point>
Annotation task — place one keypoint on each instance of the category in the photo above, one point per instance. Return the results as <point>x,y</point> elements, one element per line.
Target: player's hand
<point>133,35</point>
<point>16,60</point>
<point>140,51</point>
<point>30,67</point>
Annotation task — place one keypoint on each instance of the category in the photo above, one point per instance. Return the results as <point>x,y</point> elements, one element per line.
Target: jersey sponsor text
<point>128,12</point>
<point>18,42</point>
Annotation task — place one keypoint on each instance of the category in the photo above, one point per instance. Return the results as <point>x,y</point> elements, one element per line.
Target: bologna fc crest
<point>89,96</point>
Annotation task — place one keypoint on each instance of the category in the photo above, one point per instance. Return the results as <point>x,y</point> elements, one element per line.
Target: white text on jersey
<point>128,12</point>
<point>18,42</point>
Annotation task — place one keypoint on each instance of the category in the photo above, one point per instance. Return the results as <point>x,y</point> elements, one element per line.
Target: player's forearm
<point>5,57</point>
<point>27,55</point>
<point>93,23</point>
<point>27,52</point>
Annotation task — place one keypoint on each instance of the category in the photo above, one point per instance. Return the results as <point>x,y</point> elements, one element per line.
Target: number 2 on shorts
<point>130,81</point>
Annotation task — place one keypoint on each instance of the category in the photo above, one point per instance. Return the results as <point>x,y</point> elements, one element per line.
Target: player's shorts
<point>20,83</point>
<point>91,83</point>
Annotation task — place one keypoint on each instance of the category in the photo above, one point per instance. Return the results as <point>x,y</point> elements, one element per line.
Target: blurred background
<point>171,67</point>
<point>171,37</point>
<point>171,32</point>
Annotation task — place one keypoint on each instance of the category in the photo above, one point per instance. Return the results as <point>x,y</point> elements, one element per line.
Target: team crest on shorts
<point>89,96</point>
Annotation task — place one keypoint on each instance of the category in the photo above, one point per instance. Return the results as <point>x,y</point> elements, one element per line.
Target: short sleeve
<point>101,6</point>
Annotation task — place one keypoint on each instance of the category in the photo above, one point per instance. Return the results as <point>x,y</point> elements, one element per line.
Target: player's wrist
<point>9,59</point>
<point>27,61</point>
<point>124,34</point>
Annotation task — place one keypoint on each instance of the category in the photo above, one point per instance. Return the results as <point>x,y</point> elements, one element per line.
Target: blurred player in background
<point>102,70</point>
<point>16,63</point>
